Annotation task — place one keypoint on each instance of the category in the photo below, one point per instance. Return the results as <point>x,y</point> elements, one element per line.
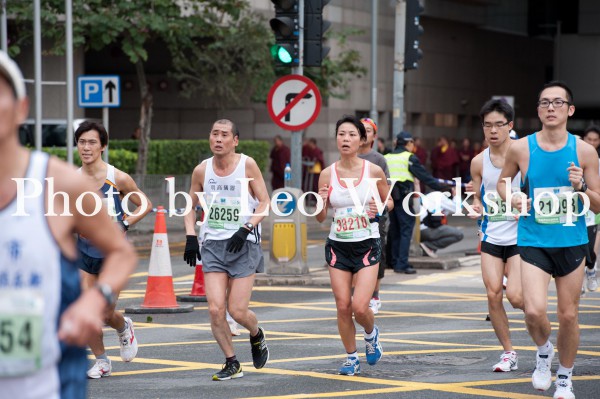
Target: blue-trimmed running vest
<point>547,173</point>
<point>37,283</point>
<point>497,229</point>
<point>113,205</point>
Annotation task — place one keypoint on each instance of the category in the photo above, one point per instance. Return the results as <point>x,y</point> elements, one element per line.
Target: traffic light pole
<point>296,144</point>
<point>398,103</point>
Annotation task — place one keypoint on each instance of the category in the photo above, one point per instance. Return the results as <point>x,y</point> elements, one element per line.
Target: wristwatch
<point>583,188</point>
<point>125,224</point>
<point>107,293</point>
<point>249,226</point>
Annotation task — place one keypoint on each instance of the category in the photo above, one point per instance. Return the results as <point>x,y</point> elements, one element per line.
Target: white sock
<point>353,355</point>
<point>545,349</point>
<point>562,370</point>
<point>371,335</point>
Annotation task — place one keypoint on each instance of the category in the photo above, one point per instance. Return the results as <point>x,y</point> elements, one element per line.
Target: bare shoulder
<point>478,160</point>
<point>520,146</point>
<point>585,152</point>
<point>251,165</point>
<point>376,170</point>
<point>123,179</point>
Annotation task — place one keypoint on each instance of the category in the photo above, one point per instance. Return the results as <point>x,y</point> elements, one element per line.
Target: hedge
<point>121,159</point>
<point>166,157</point>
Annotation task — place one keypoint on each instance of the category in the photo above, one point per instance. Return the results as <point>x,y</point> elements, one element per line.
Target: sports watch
<point>249,226</point>
<point>107,293</point>
<point>583,188</point>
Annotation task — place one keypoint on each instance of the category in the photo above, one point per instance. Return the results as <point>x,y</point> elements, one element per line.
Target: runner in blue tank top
<point>115,185</point>
<point>40,296</point>
<point>553,161</point>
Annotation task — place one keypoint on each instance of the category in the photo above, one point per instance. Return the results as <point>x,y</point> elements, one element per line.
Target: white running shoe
<point>508,362</point>
<point>592,281</point>
<point>564,388</point>
<point>504,282</point>
<point>542,375</point>
<point>101,368</point>
<point>428,251</point>
<point>375,305</point>
<point>128,342</point>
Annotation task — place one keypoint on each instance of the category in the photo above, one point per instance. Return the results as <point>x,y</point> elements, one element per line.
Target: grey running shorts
<point>246,262</point>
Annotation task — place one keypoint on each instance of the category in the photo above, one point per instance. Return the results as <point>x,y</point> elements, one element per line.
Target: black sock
<point>231,359</point>
<point>257,337</point>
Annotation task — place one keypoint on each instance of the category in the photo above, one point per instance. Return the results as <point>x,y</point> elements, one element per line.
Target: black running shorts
<point>353,256</point>
<point>499,251</point>
<point>555,261</point>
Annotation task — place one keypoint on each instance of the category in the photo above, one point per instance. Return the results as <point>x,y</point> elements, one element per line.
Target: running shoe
<point>102,368</point>
<point>564,388</point>
<point>542,375</point>
<point>374,350</point>
<point>128,342</point>
<point>428,251</point>
<point>375,305</point>
<point>260,351</point>
<point>230,371</point>
<point>350,367</point>
<point>508,362</point>
<point>592,281</point>
<point>233,326</point>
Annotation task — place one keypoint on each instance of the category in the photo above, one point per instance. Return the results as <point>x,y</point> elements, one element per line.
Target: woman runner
<point>352,187</point>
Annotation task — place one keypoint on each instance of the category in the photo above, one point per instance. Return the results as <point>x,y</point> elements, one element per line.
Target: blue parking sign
<point>98,91</point>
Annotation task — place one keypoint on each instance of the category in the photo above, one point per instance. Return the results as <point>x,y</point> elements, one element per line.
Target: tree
<point>219,48</point>
<point>203,38</point>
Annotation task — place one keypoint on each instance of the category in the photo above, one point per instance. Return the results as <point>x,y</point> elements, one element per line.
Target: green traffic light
<point>281,54</point>
<point>284,56</point>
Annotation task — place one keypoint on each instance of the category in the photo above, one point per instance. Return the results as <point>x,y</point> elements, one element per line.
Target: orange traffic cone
<point>198,293</point>
<point>160,296</point>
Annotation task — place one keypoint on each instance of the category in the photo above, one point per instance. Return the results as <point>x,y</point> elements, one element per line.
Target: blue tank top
<point>113,203</point>
<point>547,172</point>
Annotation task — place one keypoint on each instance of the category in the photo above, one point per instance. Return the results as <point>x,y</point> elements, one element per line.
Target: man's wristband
<point>107,293</point>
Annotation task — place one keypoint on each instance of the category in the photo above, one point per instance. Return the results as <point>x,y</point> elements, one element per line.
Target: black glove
<point>236,242</point>
<point>192,250</point>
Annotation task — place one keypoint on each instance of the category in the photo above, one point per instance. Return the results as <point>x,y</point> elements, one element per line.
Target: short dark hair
<point>356,122</point>
<point>558,83</point>
<point>590,129</point>
<point>86,126</point>
<point>500,106</point>
<point>234,128</point>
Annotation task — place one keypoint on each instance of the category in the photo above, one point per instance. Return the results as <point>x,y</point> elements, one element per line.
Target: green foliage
<point>333,76</point>
<point>169,157</point>
<point>122,159</point>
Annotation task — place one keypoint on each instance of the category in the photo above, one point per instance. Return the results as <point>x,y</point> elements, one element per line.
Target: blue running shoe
<point>350,367</point>
<point>374,350</point>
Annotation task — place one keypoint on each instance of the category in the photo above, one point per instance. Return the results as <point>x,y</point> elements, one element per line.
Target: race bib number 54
<point>21,321</point>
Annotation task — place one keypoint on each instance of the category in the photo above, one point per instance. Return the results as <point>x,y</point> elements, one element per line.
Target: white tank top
<point>225,217</point>
<point>498,229</point>
<point>349,224</point>
<point>31,278</point>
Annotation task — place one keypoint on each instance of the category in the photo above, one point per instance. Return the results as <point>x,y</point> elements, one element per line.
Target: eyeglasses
<point>497,125</point>
<point>91,143</point>
<point>555,103</point>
